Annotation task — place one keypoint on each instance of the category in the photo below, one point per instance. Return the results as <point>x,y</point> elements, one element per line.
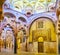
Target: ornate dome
<point>34,6</point>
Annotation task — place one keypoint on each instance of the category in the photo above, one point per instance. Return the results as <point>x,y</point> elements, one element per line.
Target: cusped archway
<point>42,31</point>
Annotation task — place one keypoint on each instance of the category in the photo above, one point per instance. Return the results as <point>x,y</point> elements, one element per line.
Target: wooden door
<point>40,47</point>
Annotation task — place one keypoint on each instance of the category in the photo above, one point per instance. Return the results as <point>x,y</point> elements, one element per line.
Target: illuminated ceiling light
<point>25,1</point>
<point>41,0</point>
<point>29,5</point>
<point>49,0</point>
<point>33,3</point>
<point>17,7</point>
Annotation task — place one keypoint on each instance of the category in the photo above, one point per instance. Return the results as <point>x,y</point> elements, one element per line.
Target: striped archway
<point>7,39</point>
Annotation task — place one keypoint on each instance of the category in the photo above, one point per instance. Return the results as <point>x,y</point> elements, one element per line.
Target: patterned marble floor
<point>24,53</point>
